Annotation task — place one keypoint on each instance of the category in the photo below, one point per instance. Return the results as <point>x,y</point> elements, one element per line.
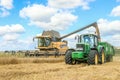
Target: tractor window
<point>89,39</point>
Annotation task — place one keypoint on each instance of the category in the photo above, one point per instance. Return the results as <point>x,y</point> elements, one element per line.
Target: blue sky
<point>21,20</point>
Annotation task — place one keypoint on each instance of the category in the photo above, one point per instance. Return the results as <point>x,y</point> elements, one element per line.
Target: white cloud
<point>110,31</point>
<point>5,5</point>
<point>10,37</point>
<point>65,4</point>
<point>109,27</point>
<point>21,44</point>
<point>117,37</point>
<point>14,28</point>
<point>37,13</point>
<point>60,21</point>
<point>11,32</point>
<point>47,17</point>
<point>116,11</point>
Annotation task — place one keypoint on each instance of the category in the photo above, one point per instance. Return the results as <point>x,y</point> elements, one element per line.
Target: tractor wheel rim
<point>73,62</point>
<point>96,59</point>
<point>103,57</point>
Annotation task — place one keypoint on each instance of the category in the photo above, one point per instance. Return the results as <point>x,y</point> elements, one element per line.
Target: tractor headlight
<point>81,49</point>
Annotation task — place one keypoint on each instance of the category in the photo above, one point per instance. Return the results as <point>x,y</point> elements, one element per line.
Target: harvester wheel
<point>102,57</point>
<point>46,54</point>
<point>27,53</point>
<point>93,57</point>
<point>68,57</point>
<point>36,53</point>
<point>56,53</point>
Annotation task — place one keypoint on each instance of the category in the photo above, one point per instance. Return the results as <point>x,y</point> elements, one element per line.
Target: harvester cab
<point>49,43</point>
<point>44,41</point>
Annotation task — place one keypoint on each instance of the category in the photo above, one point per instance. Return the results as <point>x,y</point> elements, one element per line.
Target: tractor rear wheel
<point>102,57</point>
<point>93,57</point>
<point>68,57</point>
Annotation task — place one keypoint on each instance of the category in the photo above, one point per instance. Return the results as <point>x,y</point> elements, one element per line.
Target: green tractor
<point>90,49</point>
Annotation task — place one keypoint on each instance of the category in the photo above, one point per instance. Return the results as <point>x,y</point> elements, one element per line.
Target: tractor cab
<point>90,39</point>
<point>84,40</point>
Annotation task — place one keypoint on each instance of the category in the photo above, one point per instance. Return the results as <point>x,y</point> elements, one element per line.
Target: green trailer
<point>90,49</point>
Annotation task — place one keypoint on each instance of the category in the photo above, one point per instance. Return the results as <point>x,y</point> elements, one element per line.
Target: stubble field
<point>55,69</point>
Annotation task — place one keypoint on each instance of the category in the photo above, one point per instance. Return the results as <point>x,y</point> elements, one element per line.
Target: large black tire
<point>102,56</point>
<point>36,53</point>
<point>93,57</point>
<point>46,54</point>
<point>68,57</point>
<point>27,53</point>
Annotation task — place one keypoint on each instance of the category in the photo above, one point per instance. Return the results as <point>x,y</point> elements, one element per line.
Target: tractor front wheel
<point>68,57</point>
<point>93,57</point>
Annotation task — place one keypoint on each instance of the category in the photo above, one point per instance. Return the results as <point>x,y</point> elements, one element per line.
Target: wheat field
<point>52,68</point>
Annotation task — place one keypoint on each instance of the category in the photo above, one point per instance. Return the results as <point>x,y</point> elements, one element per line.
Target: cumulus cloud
<point>38,13</point>
<point>47,17</point>
<point>5,6</point>
<point>14,28</point>
<point>109,27</point>
<point>110,31</point>
<point>10,37</point>
<point>65,4</point>
<point>11,32</point>
<point>21,44</point>
<point>59,21</point>
<point>55,15</point>
<point>115,11</point>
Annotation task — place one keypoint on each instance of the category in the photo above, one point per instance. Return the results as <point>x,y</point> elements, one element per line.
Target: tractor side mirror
<point>75,37</point>
<point>33,39</point>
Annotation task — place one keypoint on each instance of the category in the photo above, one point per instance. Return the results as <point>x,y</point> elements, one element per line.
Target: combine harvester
<point>50,43</point>
<point>90,49</point>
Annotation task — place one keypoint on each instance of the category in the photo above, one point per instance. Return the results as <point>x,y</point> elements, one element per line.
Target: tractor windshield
<point>44,42</point>
<point>90,39</point>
